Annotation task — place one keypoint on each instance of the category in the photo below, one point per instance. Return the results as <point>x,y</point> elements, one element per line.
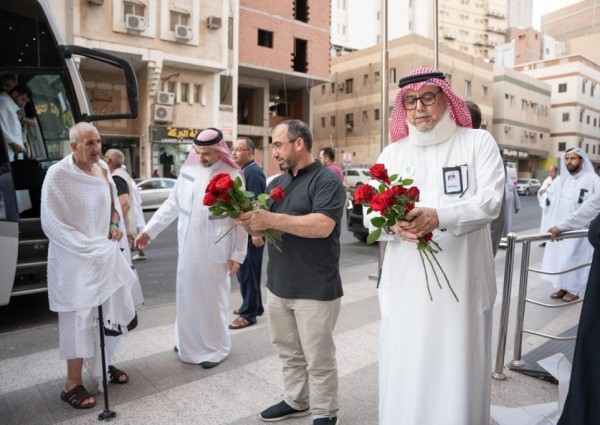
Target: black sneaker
<point>281,411</point>
<point>326,421</point>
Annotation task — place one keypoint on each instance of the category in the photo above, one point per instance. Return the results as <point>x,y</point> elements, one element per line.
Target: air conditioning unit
<point>506,128</point>
<point>183,33</point>
<point>135,22</point>
<point>349,126</point>
<point>97,2</point>
<point>163,113</point>
<point>165,98</point>
<point>483,122</point>
<point>341,86</point>
<point>213,22</point>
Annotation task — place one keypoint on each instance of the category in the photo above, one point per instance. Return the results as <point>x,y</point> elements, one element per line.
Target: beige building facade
<point>347,110</point>
<point>521,123</point>
<point>238,65</point>
<point>575,109</point>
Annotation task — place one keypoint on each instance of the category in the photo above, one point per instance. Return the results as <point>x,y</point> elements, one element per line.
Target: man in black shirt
<point>303,279</point>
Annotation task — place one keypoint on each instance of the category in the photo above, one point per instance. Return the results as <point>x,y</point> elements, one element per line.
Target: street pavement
<point>163,390</point>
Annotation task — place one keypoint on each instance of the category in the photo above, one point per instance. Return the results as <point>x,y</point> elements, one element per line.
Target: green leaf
<point>378,221</point>
<point>393,177</point>
<point>373,236</point>
<point>407,182</point>
<point>249,194</point>
<point>237,183</point>
<point>262,198</point>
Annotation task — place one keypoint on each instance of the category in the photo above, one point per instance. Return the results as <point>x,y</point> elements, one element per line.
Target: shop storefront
<point>170,148</point>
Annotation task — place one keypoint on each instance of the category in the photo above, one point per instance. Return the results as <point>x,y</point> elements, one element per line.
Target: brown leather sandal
<point>76,396</point>
<point>568,298</point>
<point>559,294</point>
<point>115,375</point>
<point>239,323</point>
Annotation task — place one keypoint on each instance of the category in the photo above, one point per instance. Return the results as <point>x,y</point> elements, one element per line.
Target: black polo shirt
<point>308,268</point>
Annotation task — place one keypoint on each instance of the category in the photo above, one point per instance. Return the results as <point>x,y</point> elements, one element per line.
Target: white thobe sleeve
<point>583,215</point>
<point>165,215</point>
<point>484,205</point>
<point>240,244</point>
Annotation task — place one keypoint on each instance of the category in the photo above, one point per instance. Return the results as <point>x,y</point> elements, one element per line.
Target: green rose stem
<point>426,277</point>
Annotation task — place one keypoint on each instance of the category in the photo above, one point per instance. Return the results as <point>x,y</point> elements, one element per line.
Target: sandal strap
<point>77,395</point>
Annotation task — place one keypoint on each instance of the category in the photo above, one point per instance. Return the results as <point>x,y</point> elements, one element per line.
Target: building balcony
<point>496,29</point>
<point>495,13</point>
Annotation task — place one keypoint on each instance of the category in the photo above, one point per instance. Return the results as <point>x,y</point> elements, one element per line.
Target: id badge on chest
<point>452,180</point>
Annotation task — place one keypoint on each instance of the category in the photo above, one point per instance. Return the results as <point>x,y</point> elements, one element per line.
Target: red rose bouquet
<point>392,199</point>
<point>225,196</point>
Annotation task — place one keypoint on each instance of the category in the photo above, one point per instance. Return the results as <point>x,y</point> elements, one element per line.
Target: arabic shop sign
<point>162,134</point>
<point>514,153</point>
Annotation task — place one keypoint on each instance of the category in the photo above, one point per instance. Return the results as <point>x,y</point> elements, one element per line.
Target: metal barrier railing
<point>511,240</point>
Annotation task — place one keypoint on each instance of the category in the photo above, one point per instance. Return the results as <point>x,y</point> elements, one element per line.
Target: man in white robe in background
<point>88,262</point>
<point>543,199</point>
<point>574,203</point>
<point>204,268</point>
<point>435,356</point>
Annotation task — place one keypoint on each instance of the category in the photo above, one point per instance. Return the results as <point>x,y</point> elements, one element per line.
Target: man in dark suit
<point>250,272</point>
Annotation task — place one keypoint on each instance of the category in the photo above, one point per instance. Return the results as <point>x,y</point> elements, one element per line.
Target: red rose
<point>413,193</point>
<point>399,190</point>
<point>409,206</point>
<point>224,183</point>
<point>382,201</point>
<point>379,172</point>
<point>224,196</point>
<point>428,237</point>
<point>209,199</point>
<point>363,194</point>
<point>276,193</point>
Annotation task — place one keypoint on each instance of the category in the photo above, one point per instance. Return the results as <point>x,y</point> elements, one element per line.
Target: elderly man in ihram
<point>204,267</point>
<point>573,203</point>
<point>435,355</point>
<point>88,262</point>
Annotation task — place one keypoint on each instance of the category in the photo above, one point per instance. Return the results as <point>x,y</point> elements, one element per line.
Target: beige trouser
<point>302,334</point>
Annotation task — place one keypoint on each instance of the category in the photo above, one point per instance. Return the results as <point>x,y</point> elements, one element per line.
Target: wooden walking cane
<point>107,414</point>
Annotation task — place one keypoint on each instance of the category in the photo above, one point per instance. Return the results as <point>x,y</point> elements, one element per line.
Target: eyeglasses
<point>278,145</point>
<point>238,150</point>
<point>426,99</point>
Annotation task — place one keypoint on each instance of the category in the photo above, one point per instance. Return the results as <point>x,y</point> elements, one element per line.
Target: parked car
<point>354,219</point>
<point>528,186</point>
<point>354,177</point>
<point>154,191</point>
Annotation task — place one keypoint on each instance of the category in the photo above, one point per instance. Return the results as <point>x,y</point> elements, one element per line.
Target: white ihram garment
<point>568,214</point>
<point>435,356</point>
<point>203,284</point>
<point>85,268</point>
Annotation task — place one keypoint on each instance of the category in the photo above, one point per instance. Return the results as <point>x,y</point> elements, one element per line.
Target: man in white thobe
<point>574,203</point>
<point>204,268</point>
<point>435,356</point>
<point>512,207</point>
<point>88,262</point>
<point>543,199</point>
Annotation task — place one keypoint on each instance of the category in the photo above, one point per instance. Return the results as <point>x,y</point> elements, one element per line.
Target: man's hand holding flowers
<point>395,204</point>
<point>425,221</point>
<point>225,196</point>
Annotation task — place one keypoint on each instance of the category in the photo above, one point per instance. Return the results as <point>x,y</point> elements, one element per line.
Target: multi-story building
<point>284,51</point>
<point>520,13</point>
<point>572,21</point>
<point>473,27</point>
<point>239,65</point>
<point>521,124</point>
<point>575,110</point>
<point>179,50</point>
<point>347,110</point>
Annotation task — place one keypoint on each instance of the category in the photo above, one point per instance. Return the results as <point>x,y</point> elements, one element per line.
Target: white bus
<point>34,52</point>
